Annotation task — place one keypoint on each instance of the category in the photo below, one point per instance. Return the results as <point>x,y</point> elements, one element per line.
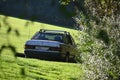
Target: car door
<point>69,46</point>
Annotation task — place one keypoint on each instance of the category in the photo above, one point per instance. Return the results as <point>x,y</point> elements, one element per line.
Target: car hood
<point>43,43</point>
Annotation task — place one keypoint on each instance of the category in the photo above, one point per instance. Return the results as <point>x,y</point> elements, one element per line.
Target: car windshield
<point>49,36</point>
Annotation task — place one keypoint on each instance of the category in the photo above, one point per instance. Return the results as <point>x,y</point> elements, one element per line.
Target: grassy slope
<point>22,68</point>
<point>26,29</point>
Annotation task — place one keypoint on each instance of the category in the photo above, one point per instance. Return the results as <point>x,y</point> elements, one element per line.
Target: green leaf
<point>17,32</point>
<point>9,30</point>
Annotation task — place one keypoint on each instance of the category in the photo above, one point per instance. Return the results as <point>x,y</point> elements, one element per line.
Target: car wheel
<point>74,59</point>
<point>67,57</point>
<point>27,55</point>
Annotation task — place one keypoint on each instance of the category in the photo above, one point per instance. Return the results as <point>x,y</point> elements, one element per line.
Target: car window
<point>49,36</point>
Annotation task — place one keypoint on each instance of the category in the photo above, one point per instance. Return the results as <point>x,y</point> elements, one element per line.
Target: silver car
<point>51,44</point>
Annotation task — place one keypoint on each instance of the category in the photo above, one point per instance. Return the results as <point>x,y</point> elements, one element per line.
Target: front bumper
<point>43,55</point>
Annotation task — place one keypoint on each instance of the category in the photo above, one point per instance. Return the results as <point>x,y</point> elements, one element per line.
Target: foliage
<point>101,8</point>
<point>99,45</point>
<point>65,2</point>
<point>100,51</point>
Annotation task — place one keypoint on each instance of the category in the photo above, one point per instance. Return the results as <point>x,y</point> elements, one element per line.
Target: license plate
<point>41,48</point>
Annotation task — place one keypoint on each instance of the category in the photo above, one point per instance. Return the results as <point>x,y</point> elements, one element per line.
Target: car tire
<point>74,59</point>
<point>27,55</point>
<point>67,57</point>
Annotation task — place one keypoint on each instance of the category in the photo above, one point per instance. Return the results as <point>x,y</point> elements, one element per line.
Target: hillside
<point>15,32</point>
<point>25,29</point>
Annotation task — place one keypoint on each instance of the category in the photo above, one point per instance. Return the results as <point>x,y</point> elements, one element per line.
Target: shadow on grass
<point>20,55</point>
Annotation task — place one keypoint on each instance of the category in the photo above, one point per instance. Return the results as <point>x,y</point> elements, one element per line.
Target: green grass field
<point>16,68</point>
<point>32,69</point>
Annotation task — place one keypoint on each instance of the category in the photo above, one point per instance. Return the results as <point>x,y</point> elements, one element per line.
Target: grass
<point>33,69</point>
<point>12,68</point>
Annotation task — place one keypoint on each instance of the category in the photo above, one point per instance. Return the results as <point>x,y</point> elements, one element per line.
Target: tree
<point>99,45</point>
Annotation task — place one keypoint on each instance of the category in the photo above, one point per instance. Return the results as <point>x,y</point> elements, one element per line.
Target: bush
<point>99,47</point>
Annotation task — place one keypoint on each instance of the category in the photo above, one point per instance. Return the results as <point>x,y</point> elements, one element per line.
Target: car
<point>51,44</point>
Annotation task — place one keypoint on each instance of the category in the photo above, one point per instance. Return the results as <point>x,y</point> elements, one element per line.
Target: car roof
<point>54,31</point>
